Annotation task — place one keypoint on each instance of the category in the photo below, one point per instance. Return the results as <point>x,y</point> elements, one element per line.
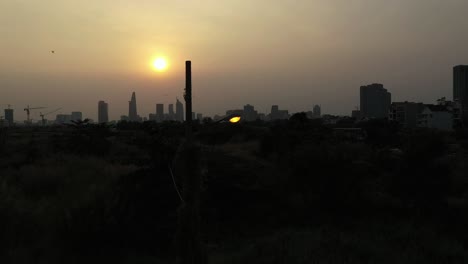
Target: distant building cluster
<point>66,118</point>
<point>248,113</point>
<point>375,103</point>
<point>276,113</point>
<point>160,115</point>
<point>9,120</point>
<point>444,115</point>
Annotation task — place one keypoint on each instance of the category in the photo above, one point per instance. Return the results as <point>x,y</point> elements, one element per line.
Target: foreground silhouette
<point>292,191</point>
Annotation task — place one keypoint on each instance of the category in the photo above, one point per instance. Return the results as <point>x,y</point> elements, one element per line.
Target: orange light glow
<point>235,119</point>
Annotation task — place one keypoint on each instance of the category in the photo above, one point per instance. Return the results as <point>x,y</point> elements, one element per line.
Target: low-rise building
<point>436,116</point>
<point>405,113</point>
<point>249,113</point>
<point>76,116</point>
<point>63,119</point>
<point>317,112</point>
<point>276,114</point>
<point>4,123</point>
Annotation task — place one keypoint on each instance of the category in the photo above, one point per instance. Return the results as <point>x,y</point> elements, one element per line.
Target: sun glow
<point>160,64</point>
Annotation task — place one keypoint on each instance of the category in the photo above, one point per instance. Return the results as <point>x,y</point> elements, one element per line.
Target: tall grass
<point>374,243</point>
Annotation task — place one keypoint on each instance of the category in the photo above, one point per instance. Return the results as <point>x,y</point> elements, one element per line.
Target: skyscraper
<point>9,116</point>
<point>160,112</point>
<point>103,112</point>
<point>460,90</point>
<point>375,101</point>
<point>132,109</point>
<point>171,112</point>
<point>179,111</point>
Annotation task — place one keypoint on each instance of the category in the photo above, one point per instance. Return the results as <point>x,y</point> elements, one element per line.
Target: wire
<point>175,184</point>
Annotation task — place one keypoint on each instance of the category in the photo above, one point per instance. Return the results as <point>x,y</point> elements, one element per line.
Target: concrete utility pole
<point>188,100</point>
<point>190,248</point>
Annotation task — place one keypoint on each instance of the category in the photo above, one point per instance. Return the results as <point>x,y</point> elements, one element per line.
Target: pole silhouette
<point>188,99</point>
<point>188,238</point>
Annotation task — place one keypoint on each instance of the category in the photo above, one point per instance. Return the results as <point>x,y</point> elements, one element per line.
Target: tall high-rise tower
<point>171,112</point>
<point>9,116</point>
<point>160,112</point>
<point>103,112</point>
<point>460,90</point>
<point>375,101</point>
<point>179,111</point>
<point>132,108</point>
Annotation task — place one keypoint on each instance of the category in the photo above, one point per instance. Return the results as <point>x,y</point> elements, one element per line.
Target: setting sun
<point>160,64</point>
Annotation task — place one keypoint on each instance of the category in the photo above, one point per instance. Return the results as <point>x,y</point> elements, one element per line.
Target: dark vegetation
<point>292,191</point>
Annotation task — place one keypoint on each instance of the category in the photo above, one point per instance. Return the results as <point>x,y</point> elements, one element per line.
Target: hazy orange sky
<point>263,52</point>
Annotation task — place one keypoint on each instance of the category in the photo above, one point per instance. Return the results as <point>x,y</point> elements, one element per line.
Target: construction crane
<point>51,112</point>
<point>28,111</point>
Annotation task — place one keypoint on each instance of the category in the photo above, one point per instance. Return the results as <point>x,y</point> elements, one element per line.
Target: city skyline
<point>323,50</point>
<point>264,107</point>
<point>132,106</point>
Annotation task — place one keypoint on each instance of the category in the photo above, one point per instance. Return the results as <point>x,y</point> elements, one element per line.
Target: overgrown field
<point>285,192</point>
